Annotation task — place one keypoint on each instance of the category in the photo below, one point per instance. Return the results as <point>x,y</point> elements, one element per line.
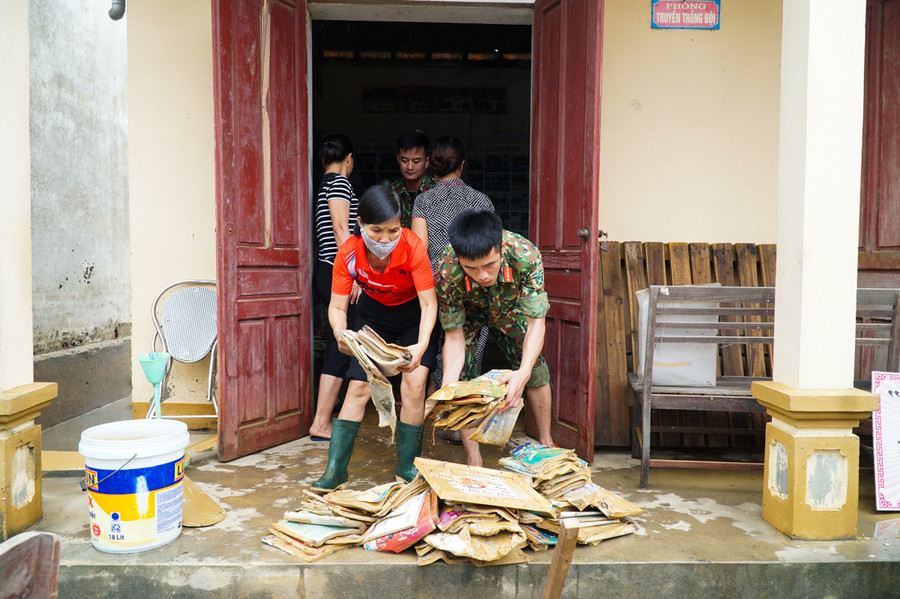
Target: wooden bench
<point>740,322</point>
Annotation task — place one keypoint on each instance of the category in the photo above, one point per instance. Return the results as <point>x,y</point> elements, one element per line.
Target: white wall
<point>689,126</point>
<point>172,174</point>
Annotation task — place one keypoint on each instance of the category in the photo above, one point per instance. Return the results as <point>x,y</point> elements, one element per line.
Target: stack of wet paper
<point>565,479</point>
<point>475,404</point>
<point>379,359</point>
<point>386,516</point>
<point>480,517</point>
<point>458,513</point>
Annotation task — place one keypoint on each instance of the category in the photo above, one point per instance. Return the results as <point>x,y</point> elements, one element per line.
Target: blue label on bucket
<point>135,480</point>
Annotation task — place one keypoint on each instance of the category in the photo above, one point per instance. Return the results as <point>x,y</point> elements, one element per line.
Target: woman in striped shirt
<point>336,207</point>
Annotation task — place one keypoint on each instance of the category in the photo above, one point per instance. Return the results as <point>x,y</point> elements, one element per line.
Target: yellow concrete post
<point>20,455</point>
<point>812,456</point>
<point>811,477</point>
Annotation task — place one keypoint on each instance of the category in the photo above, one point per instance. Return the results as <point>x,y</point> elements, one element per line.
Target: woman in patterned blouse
<point>432,214</point>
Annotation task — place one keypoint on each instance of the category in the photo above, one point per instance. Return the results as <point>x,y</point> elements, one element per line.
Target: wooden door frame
<point>493,14</point>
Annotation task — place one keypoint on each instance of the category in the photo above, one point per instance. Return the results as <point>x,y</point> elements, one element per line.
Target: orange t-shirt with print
<point>408,272</point>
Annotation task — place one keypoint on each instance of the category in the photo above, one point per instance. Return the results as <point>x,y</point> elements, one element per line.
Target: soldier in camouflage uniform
<point>488,276</point>
<point>412,158</point>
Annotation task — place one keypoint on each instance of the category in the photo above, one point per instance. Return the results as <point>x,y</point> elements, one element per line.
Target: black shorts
<point>395,324</point>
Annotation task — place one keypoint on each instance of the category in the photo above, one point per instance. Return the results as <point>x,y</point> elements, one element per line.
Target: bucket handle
<point>83,481</point>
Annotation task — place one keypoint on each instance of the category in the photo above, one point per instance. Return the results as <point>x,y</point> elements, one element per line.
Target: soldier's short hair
<point>411,140</point>
<point>473,234</point>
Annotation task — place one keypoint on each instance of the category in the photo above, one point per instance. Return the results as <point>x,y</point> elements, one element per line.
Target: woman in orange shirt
<point>390,264</point>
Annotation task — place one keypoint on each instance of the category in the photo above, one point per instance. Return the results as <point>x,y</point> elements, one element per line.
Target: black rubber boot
<point>343,436</point>
<point>409,446</point>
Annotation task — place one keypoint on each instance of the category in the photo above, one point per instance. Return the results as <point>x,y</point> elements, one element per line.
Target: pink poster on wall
<point>886,440</point>
<point>684,14</point>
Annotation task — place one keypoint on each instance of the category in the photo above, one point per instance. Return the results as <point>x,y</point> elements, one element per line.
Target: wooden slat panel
<point>748,276</point>
<point>767,264</point>
<point>680,264</point>
<point>702,274</point>
<point>723,260</point>
<point>701,269</point>
<point>732,357</point>
<point>723,264</point>
<point>636,278</point>
<point>611,407</point>
<point>680,271</point>
<point>655,256</point>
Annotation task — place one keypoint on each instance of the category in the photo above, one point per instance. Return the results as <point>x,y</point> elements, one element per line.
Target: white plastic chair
<point>186,329</point>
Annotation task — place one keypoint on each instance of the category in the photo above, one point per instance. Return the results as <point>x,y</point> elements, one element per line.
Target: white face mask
<point>382,250</point>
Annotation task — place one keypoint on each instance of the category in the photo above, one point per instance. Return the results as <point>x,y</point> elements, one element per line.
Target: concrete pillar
<point>812,456</point>
<point>21,400</point>
<point>15,189</point>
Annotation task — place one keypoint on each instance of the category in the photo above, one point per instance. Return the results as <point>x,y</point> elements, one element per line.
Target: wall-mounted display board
<point>886,440</point>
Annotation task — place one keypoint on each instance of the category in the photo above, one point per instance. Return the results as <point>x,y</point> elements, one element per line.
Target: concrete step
<point>701,535</point>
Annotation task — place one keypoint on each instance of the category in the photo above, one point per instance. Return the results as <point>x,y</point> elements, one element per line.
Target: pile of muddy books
<point>377,518</point>
<point>457,513</point>
<point>565,480</point>
<point>477,404</point>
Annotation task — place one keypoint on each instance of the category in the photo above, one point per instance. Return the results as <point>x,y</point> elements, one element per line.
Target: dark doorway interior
<point>374,80</point>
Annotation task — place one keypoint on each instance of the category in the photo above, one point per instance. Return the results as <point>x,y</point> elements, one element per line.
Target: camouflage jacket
<point>408,199</point>
<point>517,293</point>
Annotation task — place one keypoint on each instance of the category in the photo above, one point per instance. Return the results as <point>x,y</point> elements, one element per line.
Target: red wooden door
<point>262,223</point>
<point>879,223</point>
<point>565,135</point>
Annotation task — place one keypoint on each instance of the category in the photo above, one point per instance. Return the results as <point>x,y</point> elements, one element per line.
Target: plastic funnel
<point>154,365</point>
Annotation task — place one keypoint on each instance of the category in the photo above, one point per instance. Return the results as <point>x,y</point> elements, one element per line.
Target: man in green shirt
<point>489,276</point>
<point>412,158</point>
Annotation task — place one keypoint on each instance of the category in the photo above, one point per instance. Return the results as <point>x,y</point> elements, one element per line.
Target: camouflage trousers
<point>509,333</point>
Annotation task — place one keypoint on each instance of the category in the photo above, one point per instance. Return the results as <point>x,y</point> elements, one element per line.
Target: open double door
<point>264,248</point>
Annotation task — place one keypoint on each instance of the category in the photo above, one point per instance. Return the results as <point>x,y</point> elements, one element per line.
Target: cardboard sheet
<point>471,484</point>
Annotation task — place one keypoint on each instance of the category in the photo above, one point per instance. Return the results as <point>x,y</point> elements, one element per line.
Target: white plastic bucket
<point>134,471</point>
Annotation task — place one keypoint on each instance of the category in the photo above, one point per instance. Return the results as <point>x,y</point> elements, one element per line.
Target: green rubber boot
<point>409,446</point>
<point>343,436</point>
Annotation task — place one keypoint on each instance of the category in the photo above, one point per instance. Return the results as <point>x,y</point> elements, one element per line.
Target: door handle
<point>585,233</point>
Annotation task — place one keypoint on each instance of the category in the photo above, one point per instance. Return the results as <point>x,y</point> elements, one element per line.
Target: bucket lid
<point>127,438</point>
